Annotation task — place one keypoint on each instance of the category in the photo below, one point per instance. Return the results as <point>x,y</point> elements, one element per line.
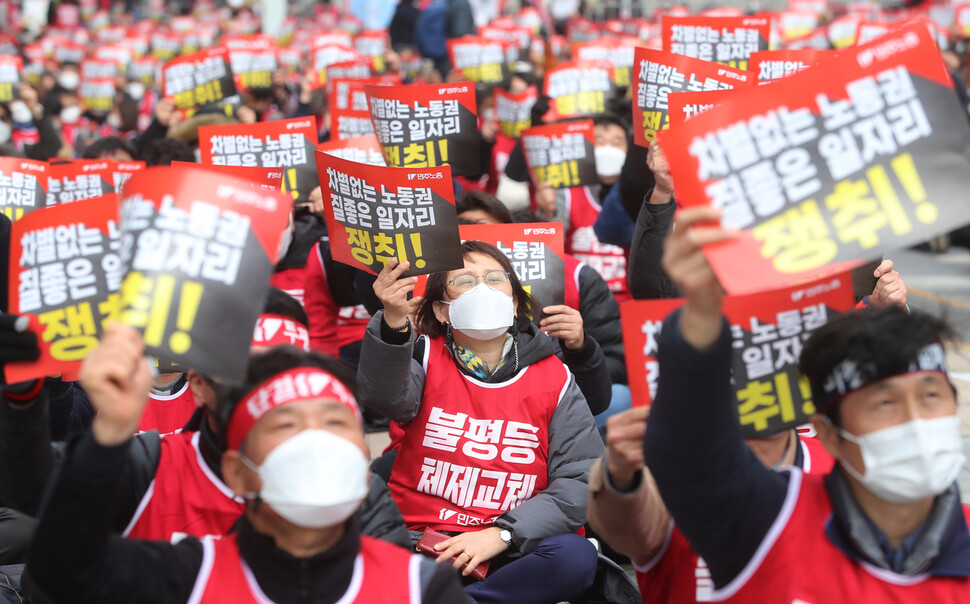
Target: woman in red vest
<point>498,438</point>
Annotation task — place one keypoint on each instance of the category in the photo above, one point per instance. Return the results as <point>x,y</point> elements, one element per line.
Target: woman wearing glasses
<point>498,438</point>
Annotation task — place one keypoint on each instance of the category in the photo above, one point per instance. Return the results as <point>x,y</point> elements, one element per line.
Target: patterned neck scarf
<point>475,365</point>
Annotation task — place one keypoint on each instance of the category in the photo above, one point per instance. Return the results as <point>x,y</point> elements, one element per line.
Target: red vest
<point>608,260</point>
<point>321,310</point>
<point>475,450</point>
<point>677,574</point>
<point>292,281</point>
<point>383,573</point>
<point>168,414</point>
<point>185,497</point>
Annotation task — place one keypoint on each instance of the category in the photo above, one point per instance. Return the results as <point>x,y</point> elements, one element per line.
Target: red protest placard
<point>326,55</point>
<point>870,30</point>
<point>818,40</point>
<point>96,69</point>
<point>514,111</point>
<point>618,51</point>
<point>349,113</point>
<point>287,144</point>
<point>682,106</point>
<point>536,253</point>
<point>122,171</point>
<point>64,265</point>
<point>579,88</point>
<point>360,149</point>
<point>768,330</point>
<point>79,179</point>
<point>834,166</point>
<point>961,19</point>
<point>373,44</point>
<point>842,31</point>
<point>11,74</point>
<point>198,79</point>
<point>253,63</point>
<point>725,40</point>
<point>660,73</point>
<point>776,64</point>
<point>264,178</point>
<point>23,186</point>
<point>561,155</point>
<point>427,125</point>
<point>375,213</point>
<point>796,24</point>
<point>203,249</point>
<point>478,59</point>
<point>358,69</point>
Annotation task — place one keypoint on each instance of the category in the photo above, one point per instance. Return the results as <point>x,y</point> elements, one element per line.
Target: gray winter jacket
<point>391,382</point>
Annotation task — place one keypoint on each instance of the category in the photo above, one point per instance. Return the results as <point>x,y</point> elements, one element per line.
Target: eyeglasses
<point>497,280</point>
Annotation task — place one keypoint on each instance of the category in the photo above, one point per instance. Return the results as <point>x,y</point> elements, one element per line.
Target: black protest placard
<point>427,125</point>
<point>80,179</point>
<point>561,155</point>
<point>198,79</point>
<point>376,213</point>
<point>199,249</point>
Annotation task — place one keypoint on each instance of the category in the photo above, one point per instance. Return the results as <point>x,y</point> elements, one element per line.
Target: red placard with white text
<point>686,105</point>
<point>660,73</point>
<point>349,113</point>
<point>121,171</point>
<point>322,57</point>
<point>270,179</point>
<point>253,63</point>
<point>23,186</point>
<point>768,331</point>
<point>618,51</point>
<point>724,40</point>
<point>360,149</point>
<point>79,179</point>
<point>478,59</point>
<point>427,125</point>
<point>776,64</point>
<point>376,213</point>
<point>64,264</point>
<point>286,144</point>
<point>833,166</point>
<point>561,155</point>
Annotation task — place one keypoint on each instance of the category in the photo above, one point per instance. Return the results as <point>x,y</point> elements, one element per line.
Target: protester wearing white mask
<point>579,207</point>
<point>295,453</point>
<point>497,436</point>
<point>885,525</point>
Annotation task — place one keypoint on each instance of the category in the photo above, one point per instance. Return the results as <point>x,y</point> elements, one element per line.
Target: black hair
<point>434,291</point>
<point>107,146</point>
<point>885,340</point>
<point>278,302</point>
<point>609,119</point>
<point>164,151</point>
<point>261,93</point>
<point>480,200</point>
<point>264,366</point>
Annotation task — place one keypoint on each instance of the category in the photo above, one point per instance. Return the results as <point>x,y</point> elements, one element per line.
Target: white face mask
<point>136,90</point>
<point>69,80</point>
<point>70,115</point>
<point>20,114</point>
<point>314,480</point>
<point>609,161</point>
<point>5,131</point>
<point>114,120</point>
<point>909,462</point>
<point>285,240</point>
<point>482,313</point>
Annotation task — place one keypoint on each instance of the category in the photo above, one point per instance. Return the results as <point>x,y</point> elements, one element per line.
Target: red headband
<point>273,330</point>
<point>300,384</point>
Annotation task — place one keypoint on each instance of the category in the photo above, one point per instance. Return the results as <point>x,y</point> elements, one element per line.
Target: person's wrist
<point>394,320</point>
<point>110,433</point>
<point>620,480</point>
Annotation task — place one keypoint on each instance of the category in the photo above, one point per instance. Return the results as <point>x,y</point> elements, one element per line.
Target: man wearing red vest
<point>174,485</point>
<point>885,525</point>
<point>295,452</point>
